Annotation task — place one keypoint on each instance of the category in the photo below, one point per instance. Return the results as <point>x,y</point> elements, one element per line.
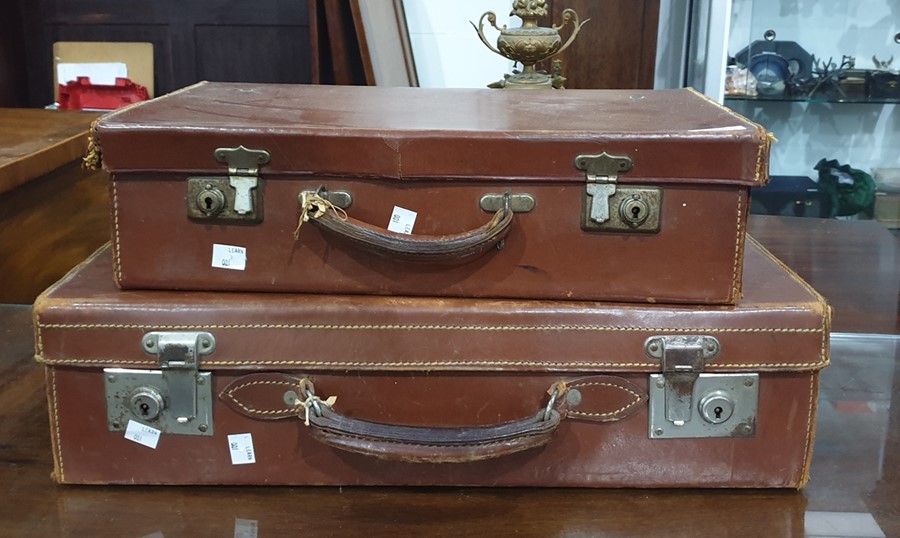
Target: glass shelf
<point>807,99</point>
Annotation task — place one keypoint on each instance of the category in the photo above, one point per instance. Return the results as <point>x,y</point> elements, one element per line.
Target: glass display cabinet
<point>823,77</point>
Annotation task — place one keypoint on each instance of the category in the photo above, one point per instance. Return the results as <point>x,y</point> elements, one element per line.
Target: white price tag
<point>142,434</point>
<point>402,221</point>
<point>241,447</point>
<point>229,257</point>
<point>246,528</point>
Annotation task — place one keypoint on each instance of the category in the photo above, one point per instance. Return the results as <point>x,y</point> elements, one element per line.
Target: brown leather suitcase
<point>625,195</point>
<point>157,387</point>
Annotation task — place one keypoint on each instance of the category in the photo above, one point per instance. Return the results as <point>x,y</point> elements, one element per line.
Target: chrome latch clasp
<point>682,358</point>
<point>602,172</point>
<point>243,173</point>
<point>178,354</point>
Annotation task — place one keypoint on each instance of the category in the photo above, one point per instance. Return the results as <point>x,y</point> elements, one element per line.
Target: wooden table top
<point>34,142</point>
<point>855,471</point>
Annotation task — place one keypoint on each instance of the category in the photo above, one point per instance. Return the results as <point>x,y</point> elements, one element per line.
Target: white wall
<point>866,136</point>
<point>446,48</point>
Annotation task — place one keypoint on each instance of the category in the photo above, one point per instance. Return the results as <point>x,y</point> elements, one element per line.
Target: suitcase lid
<point>85,321</point>
<point>672,136</point>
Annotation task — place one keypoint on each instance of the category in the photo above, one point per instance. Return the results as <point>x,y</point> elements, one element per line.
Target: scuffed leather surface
<point>781,324</point>
<point>675,136</point>
<point>443,363</point>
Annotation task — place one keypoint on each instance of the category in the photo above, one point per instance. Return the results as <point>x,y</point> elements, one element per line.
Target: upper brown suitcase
<point>631,195</point>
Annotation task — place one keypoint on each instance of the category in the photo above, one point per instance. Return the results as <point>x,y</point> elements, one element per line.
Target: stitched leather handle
<point>453,248</point>
<point>432,445</point>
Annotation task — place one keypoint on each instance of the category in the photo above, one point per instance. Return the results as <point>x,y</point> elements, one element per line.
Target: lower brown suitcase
<point>212,388</point>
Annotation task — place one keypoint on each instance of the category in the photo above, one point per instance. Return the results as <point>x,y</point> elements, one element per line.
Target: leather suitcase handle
<point>430,445</point>
<point>454,248</point>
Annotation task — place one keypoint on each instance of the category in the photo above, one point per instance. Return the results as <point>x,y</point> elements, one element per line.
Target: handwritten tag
<point>241,447</point>
<point>142,434</point>
<point>402,221</point>
<point>229,257</point>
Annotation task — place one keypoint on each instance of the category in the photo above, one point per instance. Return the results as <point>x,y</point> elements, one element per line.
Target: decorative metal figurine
<point>529,43</point>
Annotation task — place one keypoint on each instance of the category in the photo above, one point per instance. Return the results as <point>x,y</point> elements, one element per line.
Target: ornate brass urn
<point>529,43</point>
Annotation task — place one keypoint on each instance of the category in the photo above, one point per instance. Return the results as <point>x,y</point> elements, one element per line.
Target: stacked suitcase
<point>401,286</point>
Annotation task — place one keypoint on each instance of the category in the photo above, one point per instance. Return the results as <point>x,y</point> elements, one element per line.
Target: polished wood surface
<point>855,479</point>
<point>34,142</point>
<point>52,212</point>
<point>855,264</point>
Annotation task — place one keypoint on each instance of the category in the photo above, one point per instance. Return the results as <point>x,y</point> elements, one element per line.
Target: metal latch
<point>614,208</point>
<point>686,403</point>
<point>175,399</point>
<point>683,358</point>
<point>235,197</point>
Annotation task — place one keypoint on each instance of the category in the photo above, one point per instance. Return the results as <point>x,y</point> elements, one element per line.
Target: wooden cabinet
<point>616,49</point>
<point>193,40</point>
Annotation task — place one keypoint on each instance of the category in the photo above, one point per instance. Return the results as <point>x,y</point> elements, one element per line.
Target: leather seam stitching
<point>637,400</point>
<point>59,445</point>
<point>254,411</point>
<point>478,328</point>
<point>809,427</point>
<point>118,261</point>
<point>435,363</point>
<point>735,291</point>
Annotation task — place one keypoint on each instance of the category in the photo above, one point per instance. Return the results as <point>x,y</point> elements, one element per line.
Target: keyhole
<point>718,412</point>
<point>145,409</point>
<point>209,202</point>
<point>635,212</point>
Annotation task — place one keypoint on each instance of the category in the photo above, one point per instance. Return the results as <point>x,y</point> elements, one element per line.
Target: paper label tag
<point>246,528</point>
<point>229,257</point>
<point>142,434</point>
<point>402,221</point>
<point>241,447</point>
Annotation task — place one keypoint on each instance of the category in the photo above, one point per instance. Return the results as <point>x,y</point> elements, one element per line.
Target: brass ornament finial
<point>529,43</point>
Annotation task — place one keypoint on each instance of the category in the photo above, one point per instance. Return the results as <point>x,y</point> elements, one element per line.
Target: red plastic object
<point>81,94</point>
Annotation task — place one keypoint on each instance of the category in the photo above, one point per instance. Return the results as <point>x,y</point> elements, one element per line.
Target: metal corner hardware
<point>176,398</point>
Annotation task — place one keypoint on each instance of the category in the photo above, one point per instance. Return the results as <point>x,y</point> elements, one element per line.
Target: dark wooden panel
<point>173,26</point>
<point>13,87</point>
<point>616,49</point>
<point>278,54</point>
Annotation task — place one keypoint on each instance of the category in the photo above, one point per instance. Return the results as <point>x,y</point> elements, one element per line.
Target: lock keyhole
<point>634,210</point>
<point>145,409</point>
<point>716,407</point>
<point>211,201</point>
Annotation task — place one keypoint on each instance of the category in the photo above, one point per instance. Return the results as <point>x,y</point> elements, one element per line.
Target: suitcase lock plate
<point>177,398</point>
<point>236,197</point>
<point>609,207</point>
<point>686,403</point>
